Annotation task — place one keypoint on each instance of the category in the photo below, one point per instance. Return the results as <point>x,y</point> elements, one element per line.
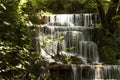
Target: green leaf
<point>82,1</point>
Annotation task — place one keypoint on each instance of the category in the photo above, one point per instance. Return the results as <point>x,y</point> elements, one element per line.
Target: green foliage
<point>108,30</point>
<point>16,52</point>
<point>110,49</point>
<point>68,60</point>
<point>99,26</point>
<point>67,6</point>
<point>82,1</point>
<point>117,19</point>
<point>70,49</point>
<point>119,62</point>
<point>51,41</point>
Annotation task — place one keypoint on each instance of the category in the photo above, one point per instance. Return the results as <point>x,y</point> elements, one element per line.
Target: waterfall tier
<point>86,72</point>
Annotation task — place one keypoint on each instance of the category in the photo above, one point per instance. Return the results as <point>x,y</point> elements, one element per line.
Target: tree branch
<point>112,10</point>
<point>101,12</point>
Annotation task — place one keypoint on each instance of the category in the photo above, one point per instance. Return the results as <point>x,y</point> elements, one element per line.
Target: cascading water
<point>74,68</point>
<point>76,40</point>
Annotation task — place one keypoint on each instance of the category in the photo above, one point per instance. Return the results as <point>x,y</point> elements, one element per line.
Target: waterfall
<point>76,32</point>
<point>74,68</point>
<point>70,34</point>
<point>98,72</point>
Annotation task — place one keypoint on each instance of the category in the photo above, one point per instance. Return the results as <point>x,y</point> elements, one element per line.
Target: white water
<point>74,68</point>
<point>98,72</point>
<point>78,38</point>
<point>76,19</point>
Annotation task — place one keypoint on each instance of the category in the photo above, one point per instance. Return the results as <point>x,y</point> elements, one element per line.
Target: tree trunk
<point>112,11</point>
<point>101,13</point>
<point>107,19</point>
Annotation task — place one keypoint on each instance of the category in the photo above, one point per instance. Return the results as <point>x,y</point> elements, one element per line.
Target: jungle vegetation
<point>18,56</point>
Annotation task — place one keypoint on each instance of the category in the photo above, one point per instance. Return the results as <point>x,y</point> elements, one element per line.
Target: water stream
<point>74,68</point>
<point>75,30</point>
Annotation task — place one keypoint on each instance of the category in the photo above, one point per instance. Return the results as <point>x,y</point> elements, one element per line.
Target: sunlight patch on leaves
<point>2,5</point>
<point>6,23</point>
